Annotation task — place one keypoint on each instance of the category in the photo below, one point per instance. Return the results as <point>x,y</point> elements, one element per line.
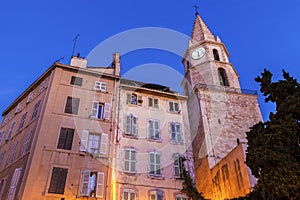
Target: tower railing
<point>225,89</point>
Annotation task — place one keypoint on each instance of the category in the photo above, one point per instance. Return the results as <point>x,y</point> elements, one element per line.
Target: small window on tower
<point>188,64</point>
<point>223,77</point>
<point>216,54</point>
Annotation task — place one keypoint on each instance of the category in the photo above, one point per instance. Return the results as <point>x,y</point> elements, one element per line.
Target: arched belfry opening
<point>216,55</point>
<point>223,77</point>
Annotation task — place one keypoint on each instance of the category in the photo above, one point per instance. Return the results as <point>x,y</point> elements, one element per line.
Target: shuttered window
<point>94,143</point>
<point>100,86</point>
<point>154,129</point>
<point>130,160</point>
<point>173,106</point>
<point>72,105</point>
<point>26,143</point>
<point>12,153</point>
<point>11,128</point>
<point>155,164</point>
<point>2,186</point>
<point>35,110</point>
<point>76,81</point>
<point>22,121</point>
<point>65,138</point>
<point>176,132</point>
<point>58,180</point>
<point>153,102</point>
<point>2,154</point>
<point>101,110</point>
<point>1,135</point>
<point>131,125</point>
<point>129,194</point>
<point>13,184</point>
<point>92,184</point>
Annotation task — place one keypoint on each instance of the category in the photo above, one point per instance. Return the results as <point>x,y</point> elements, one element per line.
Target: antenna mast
<point>74,45</point>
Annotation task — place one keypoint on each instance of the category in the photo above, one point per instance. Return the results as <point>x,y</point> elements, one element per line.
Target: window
<point>154,130</point>
<point>35,110</point>
<point>100,86</point>
<point>10,130</point>
<point>42,86</point>
<point>93,143</point>
<point>176,133</point>
<point>58,180</point>
<point>238,173</point>
<point>2,186</point>
<point>30,97</point>
<point>225,172</point>
<point>65,138</point>
<point>18,109</point>
<point>129,194</point>
<point>100,110</point>
<point>72,105</point>
<point>178,165</point>
<point>26,143</point>
<point>152,102</point>
<point>7,118</point>
<point>156,195</point>
<point>134,99</point>
<point>188,64</point>
<point>12,153</point>
<point>1,135</point>
<point>92,184</point>
<point>173,106</point>
<point>13,184</point>
<point>181,197</point>
<point>76,81</point>
<point>22,121</point>
<point>223,77</point>
<point>155,164</point>
<point>216,55</point>
<point>131,125</point>
<point>2,157</point>
<point>130,161</point>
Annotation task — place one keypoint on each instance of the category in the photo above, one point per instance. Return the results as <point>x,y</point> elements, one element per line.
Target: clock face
<point>198,53</point>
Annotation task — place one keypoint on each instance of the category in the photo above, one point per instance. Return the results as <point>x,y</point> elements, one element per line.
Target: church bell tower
<point>221,113</point>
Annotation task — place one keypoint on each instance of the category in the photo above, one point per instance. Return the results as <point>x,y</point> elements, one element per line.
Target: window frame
<point>130,192</point>
<point>176,133</point>
<point>100,86</point>
<point>62,175</point>
<point>153,103</point>
<point>103,142</point>
<point>156,130</point>
<point>75,80</point>
<point>130,160</point>
<point>174,107</point>
<point>86,180</point>
<point>65,138</point>
<point>69,108</point>
<point>157,166</point>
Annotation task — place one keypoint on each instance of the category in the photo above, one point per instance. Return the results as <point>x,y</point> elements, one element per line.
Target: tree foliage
<point>188,186</point>
<point>273,153</point>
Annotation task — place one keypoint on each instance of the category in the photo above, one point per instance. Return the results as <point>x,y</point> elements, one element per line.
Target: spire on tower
<point>200,30</point>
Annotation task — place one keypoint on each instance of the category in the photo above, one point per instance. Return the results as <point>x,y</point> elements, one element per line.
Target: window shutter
<point>84,140</point>
<point>14,184</point>
<point>157,161</point>
<point>151,129</point>
<point>2,157</point>
<point>85,183</point>
<point>150,102</point>
<point>97,86</point>
<point>179,133</point>
<point>2,186</point>
<point>171,108</point>
<point>12,153</point>
<point>103,86</point>
<point>69,140</point>
<point>30,97</point>
<point>152,163</point>
<point>176,107</point>
<point>176,165</point>
<point>133,161</point>
<point>156,129</point>
<point>95,106</point>
<point>104,143</point>
<point>128,124</point>
<point>155,103</point>
<point>128,98</point>
<point>62,138</point>
<point>10,130</point>
<point>126,160</point>
<point>1,135</point>
<point>100,185</point>
<point>134,126</point>
<point>26,143</point>
<point>173,131</point>
<point>106,114</point>
<point>61,181</point>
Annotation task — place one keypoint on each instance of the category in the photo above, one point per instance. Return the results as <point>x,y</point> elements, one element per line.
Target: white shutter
<point>84,140</point>
<point>30,97</point>
<point>104,143</point>
<point>106,114</point>
<point>128,98</point>
<point>85,183</point>
<point>2,186</point>
<point>151,129</point>
<point>95,106</point>
<point>97,86</point>
<point>10,130</point>
<point>134,125</point>
<point>100,185</point>
<point>128,124</point>
<point>26,143</point>
<point>14,184</point>
<point>103,86</point>
<point>156,129</point>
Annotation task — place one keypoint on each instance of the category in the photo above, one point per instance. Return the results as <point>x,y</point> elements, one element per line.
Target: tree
<point>273,153</point>
<point>188,186</point>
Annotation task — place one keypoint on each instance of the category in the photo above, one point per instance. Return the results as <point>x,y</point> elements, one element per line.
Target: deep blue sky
<point>258,34</point>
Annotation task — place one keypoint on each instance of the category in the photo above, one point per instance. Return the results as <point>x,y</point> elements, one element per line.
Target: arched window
<point>216,54</point>
<point>222,77</point>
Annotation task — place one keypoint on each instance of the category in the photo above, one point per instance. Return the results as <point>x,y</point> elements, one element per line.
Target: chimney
<point>116,63</point>
<point>77,61</point>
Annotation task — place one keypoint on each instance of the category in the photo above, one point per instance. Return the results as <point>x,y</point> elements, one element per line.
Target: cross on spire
<point>196,9</point>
